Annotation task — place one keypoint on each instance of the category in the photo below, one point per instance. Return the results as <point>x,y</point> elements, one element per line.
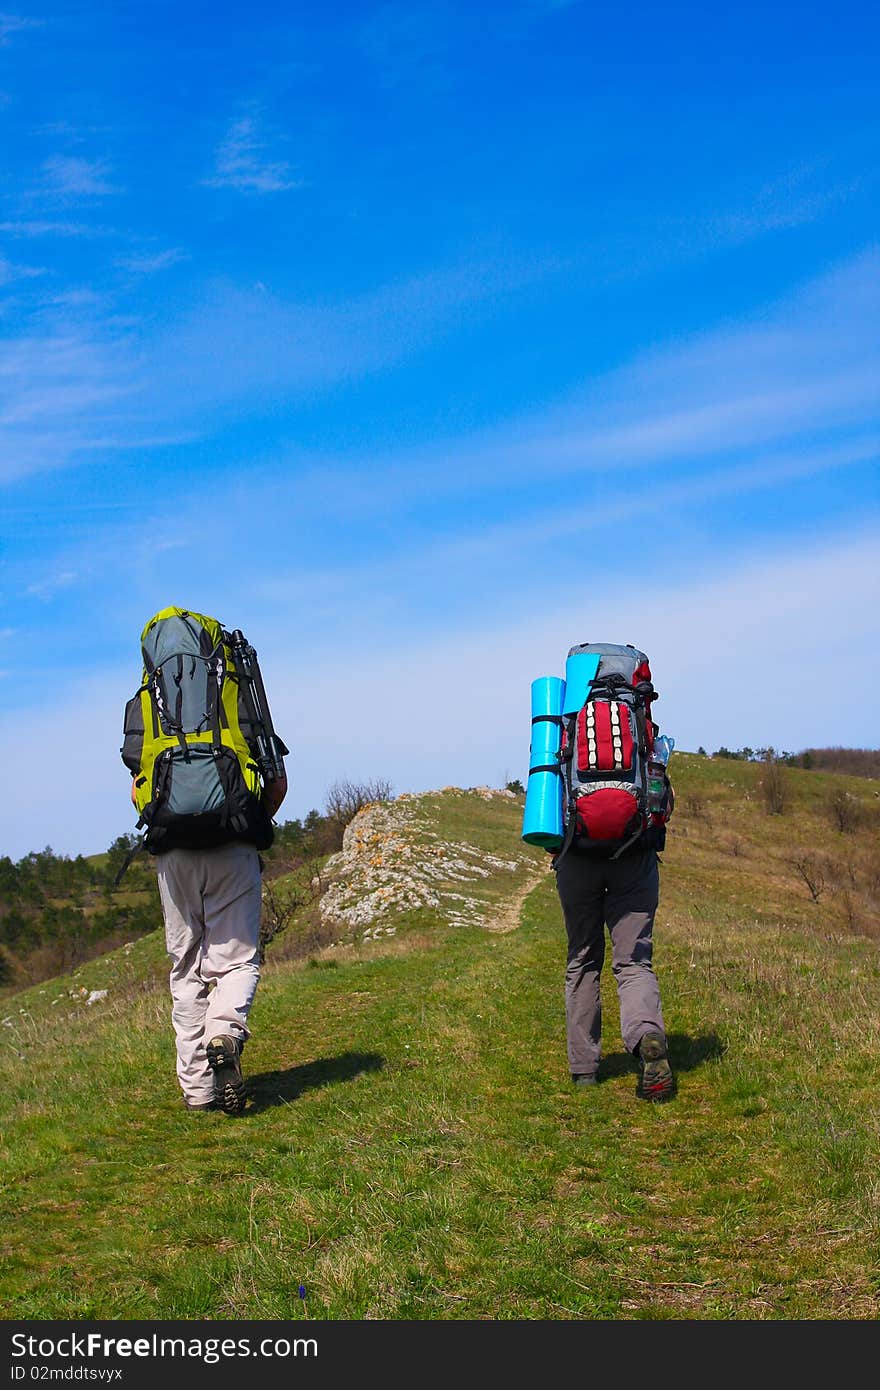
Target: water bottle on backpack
<point>659,757</point>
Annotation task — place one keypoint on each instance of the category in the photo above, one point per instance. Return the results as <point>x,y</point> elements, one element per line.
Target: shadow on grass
<point>270,1088</point>
<point>685,1054</point>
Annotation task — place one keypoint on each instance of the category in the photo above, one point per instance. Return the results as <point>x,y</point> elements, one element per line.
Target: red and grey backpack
<point>615,795</point>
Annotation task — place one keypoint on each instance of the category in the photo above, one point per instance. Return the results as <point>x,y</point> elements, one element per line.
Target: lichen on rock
<point>393,859</point>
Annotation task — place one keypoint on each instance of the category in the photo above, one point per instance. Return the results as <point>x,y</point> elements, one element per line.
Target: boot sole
<point>229,1088</point>
<point>657,1082</point>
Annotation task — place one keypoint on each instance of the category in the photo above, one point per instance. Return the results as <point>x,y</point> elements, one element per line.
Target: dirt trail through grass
<point>509,914</point>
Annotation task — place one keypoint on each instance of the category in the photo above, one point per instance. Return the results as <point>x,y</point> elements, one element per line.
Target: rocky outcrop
<point>393,859</point>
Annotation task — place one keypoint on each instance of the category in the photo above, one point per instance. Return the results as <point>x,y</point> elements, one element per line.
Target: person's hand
<point>274,793</point>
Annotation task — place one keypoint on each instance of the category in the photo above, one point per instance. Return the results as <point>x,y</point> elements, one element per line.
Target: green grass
<point>414,1148</point>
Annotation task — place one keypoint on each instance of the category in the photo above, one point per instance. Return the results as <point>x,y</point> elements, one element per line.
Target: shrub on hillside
<point>845,811</point>
<point>280,904</point>
<point>812,871</point>
<point>774,784</point>
<point>849,911</point>
<point>694,804</point>
<point>345,799</point>
<point>7,967</point>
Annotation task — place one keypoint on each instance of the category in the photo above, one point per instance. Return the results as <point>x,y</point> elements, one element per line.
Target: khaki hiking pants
<point>621,894</point>
<point>211,900</point>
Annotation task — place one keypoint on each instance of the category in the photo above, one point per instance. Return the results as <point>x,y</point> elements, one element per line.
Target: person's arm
<point>274,793</point>
<point>133,792</point>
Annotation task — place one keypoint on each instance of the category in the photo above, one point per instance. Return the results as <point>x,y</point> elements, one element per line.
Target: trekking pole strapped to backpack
<point>270,750</point>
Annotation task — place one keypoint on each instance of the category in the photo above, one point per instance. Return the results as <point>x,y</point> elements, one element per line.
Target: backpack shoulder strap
<point>570,726</point>
<point>569,837</point>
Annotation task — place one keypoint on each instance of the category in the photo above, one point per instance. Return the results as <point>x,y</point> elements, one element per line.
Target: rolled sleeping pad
<point>542,817</point>
<point>580,672</point>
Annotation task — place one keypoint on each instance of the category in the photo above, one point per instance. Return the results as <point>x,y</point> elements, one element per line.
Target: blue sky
<point>423,341</point>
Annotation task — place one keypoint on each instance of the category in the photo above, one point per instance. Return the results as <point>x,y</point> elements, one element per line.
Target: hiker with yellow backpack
<point>207,777</point>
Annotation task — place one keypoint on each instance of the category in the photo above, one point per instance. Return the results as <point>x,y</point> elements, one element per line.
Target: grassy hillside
<point>57,912</point>
<point>413,1147</point>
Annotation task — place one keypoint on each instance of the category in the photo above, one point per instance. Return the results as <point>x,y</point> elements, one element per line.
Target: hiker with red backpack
<point>599,798</point>
<point>207,778</point>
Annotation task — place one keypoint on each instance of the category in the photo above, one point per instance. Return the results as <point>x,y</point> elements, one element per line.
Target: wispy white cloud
<point>807,364</point>
<point>746,412</point>
<point>479,546</point>
<point>45,375</point>
<point>803,194</point>
<point>245,161</point>
<point>799,195</point>
<point>12,24</point>
<point>240,343</point>
<point>77,298</point>
<point>47,587</point>
<point>10,272</point>
<point>33,229</point>
<point>73,132</point>
<point>148,263</point>
<point>61,388</point>
<point>68,177</point>
<point>792,393</point>
<point>705,430</point>
<point>236,347</point>
<point>810,362</point>
<point>740,413</point>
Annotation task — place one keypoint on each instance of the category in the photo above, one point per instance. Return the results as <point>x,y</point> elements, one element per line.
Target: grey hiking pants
<point>621,894</point>
<point>211,899</point>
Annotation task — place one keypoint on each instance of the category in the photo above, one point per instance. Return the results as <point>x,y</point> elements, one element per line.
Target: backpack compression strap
<point>641,726</point>
<point>566,757</point>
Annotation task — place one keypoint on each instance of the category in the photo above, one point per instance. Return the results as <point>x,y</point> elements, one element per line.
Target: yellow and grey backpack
<point>186,739</point>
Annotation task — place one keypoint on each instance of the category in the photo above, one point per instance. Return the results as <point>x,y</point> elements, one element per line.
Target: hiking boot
<point>198,1107</point>
<point>656,1081</point>
<point>587,1078</point>
<point>229,1092</point>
